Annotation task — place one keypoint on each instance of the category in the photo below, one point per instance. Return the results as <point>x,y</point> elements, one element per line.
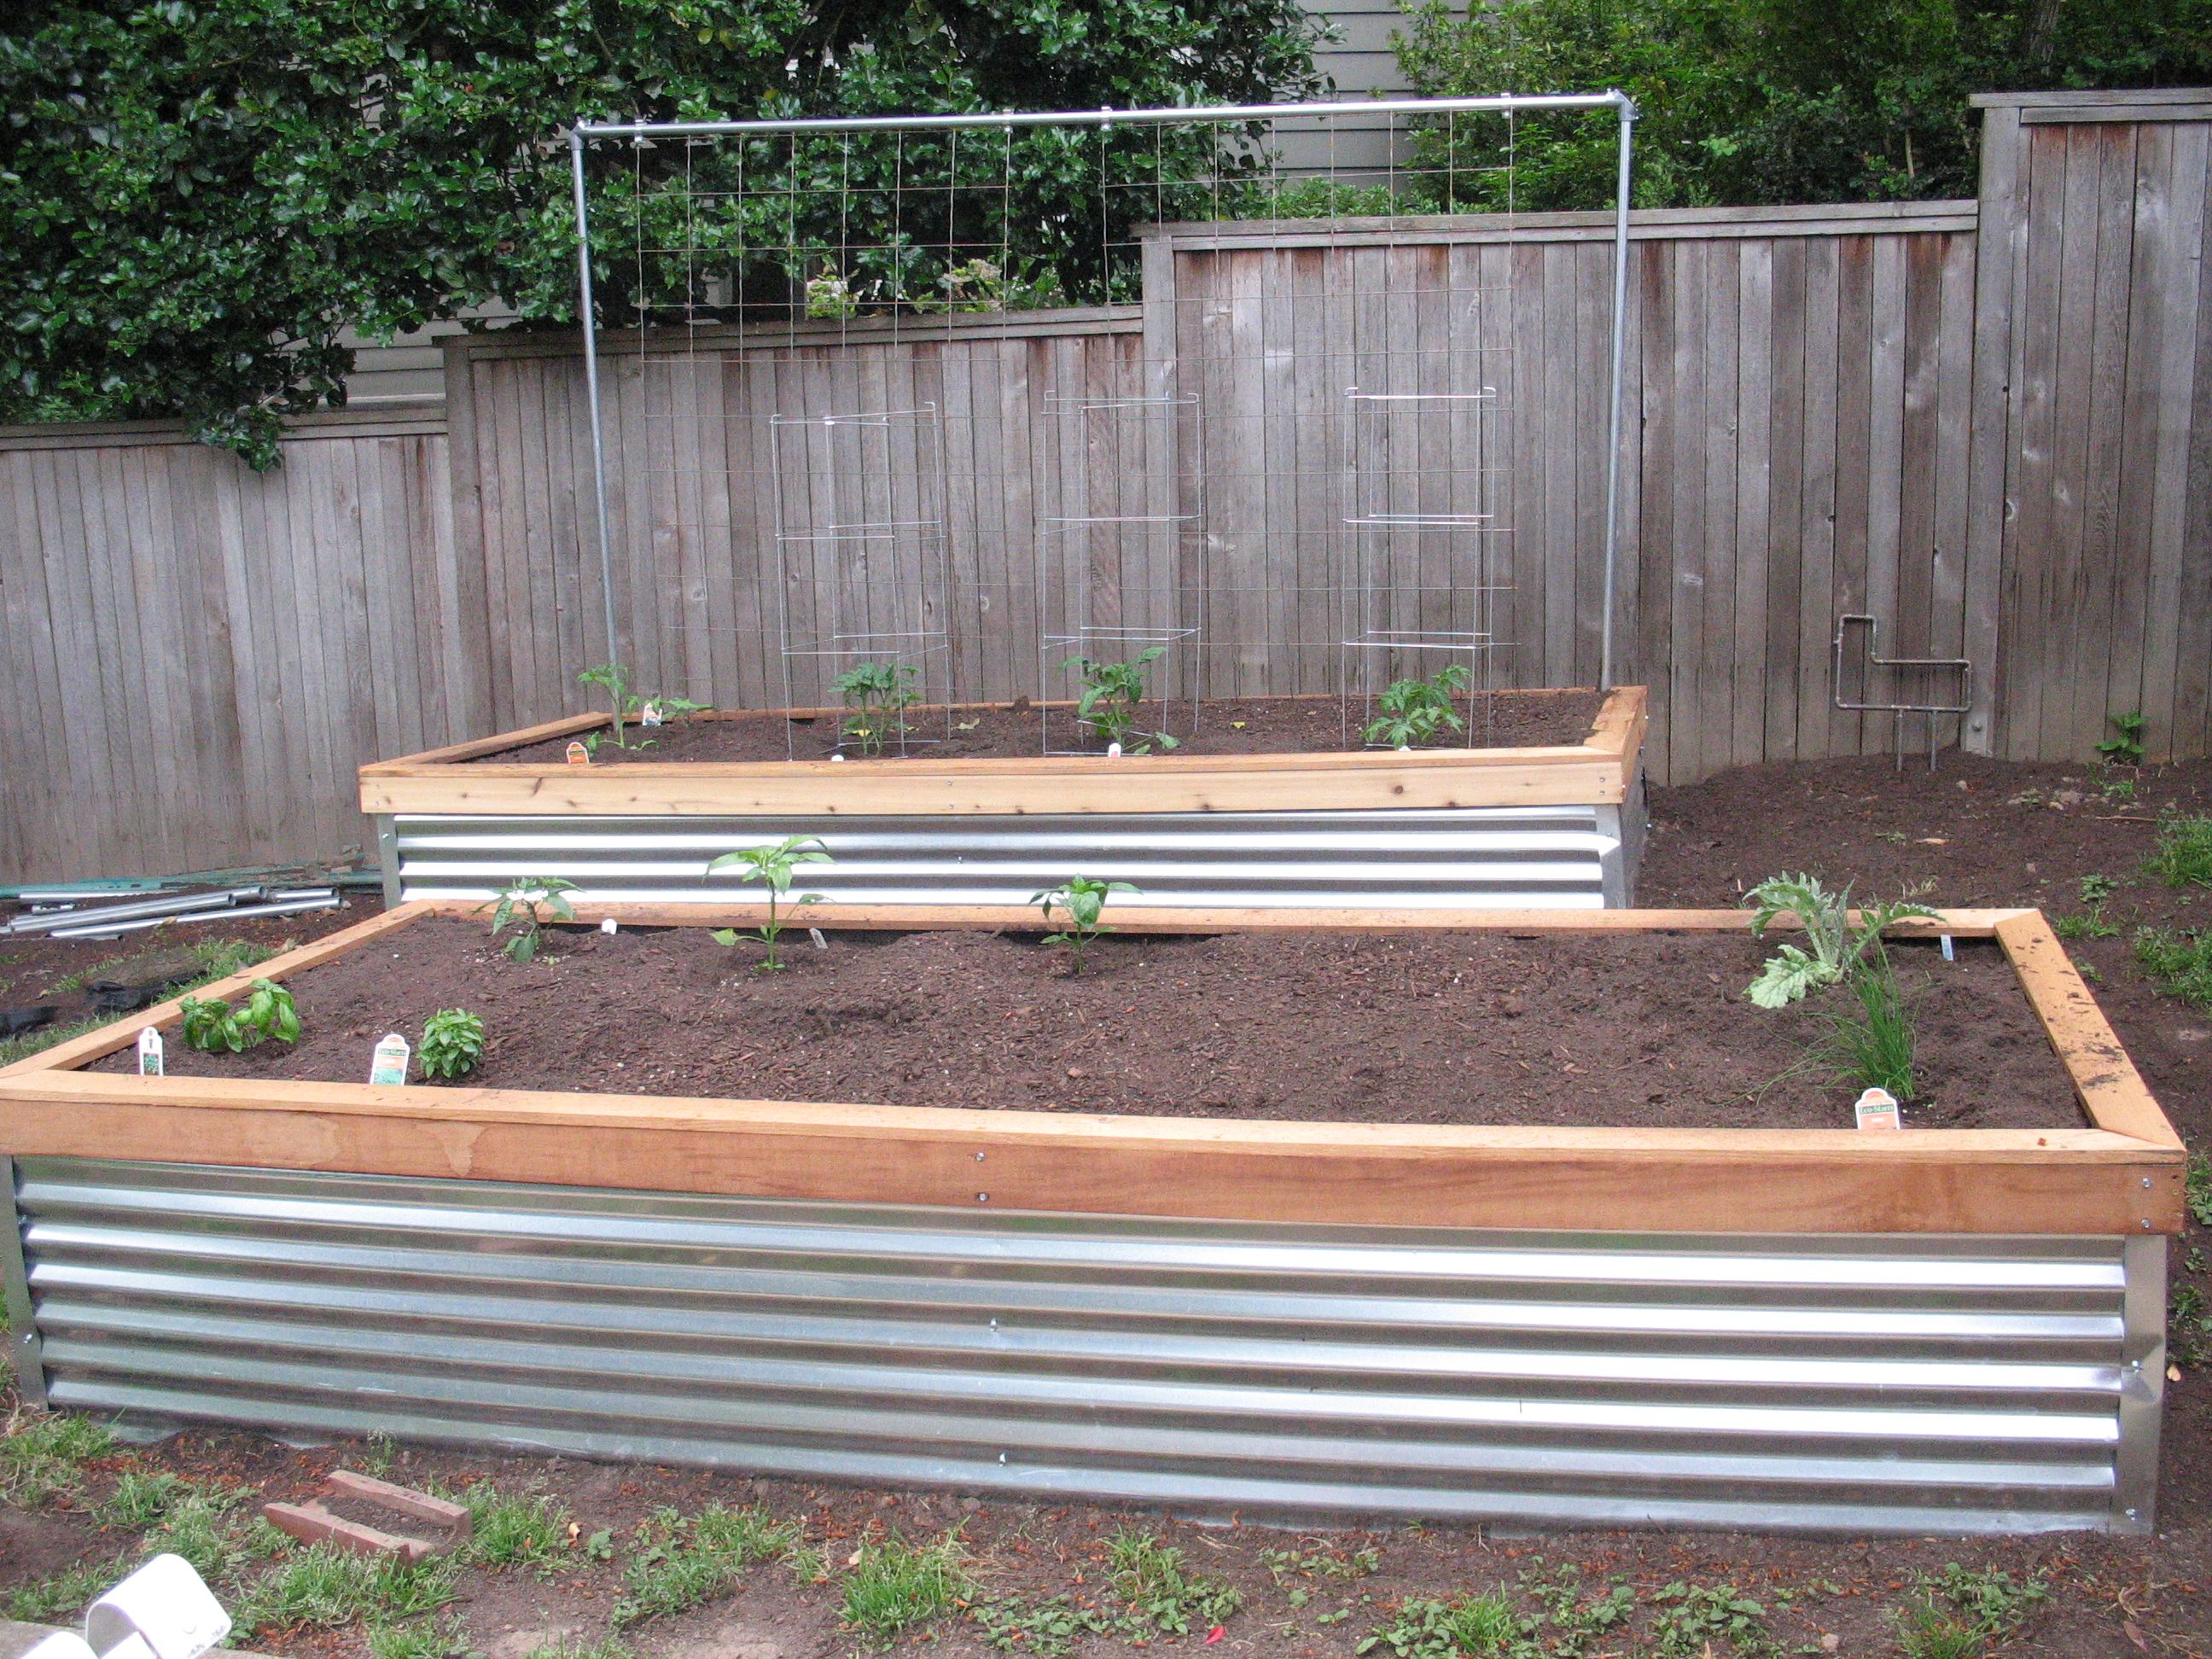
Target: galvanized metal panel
<point>1910,1384</point>
<point>1549,857</point>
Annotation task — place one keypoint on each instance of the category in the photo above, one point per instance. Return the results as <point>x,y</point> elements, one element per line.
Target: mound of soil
<point>1643,1030</point>
<point>1258,725</point>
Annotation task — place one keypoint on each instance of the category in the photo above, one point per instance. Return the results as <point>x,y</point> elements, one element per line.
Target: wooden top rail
<point>2121,1173</point>
<point>1600,770</point>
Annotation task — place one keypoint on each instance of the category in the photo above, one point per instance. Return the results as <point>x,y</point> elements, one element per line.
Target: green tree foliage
<point>1751,101</point>
<point>200,196</point>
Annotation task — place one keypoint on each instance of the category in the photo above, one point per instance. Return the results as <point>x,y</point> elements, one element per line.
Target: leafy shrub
<point>453,1042</point>
<point>268,1013</point>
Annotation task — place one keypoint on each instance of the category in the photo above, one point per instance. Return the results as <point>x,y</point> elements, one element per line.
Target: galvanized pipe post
<point>1628,114</point>
<point>588,309</point>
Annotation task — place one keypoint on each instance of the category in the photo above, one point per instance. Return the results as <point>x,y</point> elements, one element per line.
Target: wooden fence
<point>1977,421</point>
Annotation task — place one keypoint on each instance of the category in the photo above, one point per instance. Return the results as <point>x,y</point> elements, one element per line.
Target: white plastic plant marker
<point>1949,954</point>
<point>820,943</point>
<point>162,1611</point>
<point>650,715</point>
<point>149,1052</point>
<point>61,1645</point>
<point>1877,1110</point>
<point>389,1063</point>
<point>1113,752</point>
<point>607,925</point>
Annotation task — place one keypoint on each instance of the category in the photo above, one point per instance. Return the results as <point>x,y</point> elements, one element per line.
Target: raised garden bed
<point>1936,1329</point>
<point>1517,824</point>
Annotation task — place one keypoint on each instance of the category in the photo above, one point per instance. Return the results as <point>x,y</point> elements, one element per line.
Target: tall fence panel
<point>1797,392</point>
<point>2094,494</point>
<point>197,656</point>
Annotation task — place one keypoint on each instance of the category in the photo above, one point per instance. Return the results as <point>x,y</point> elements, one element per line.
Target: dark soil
<point>1409,1028</point>
<point>1262,725</point>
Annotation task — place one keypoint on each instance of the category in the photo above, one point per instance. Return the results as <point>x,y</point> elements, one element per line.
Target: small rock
<point>1075,1070</point>
<point>971,1505</point>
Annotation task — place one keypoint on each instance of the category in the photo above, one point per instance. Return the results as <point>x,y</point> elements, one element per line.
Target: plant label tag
<point>650,715</point>
<point>149,1052</point>
<point>1877,1110</point>
<point>820,943</point>
<point>389,1064</point>
<point>607,924</point>
<point>1949,954</point>
<point>578,755</point>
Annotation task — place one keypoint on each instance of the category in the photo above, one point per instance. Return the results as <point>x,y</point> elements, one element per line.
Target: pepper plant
<point>1081,900</point>
<point>771,867</point>
<point>876,696</point>
<point>211,1022</point>
<point>1112,692</point>
<point>525,904</point>
<point>1414,711</point>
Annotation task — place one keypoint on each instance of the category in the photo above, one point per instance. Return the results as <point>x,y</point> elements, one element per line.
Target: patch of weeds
<point>2178,962</point>
<point>140,1499</point>
<point>1485,1627</point>
<point>1046,1629</point>
<point>528,1529</point>
<point>679,1563</point>
<point>200,1527</point>
<point>2183,854</point>
<point>607,1647</point>
<point>1159,1593</point>
<point>2096,888</point>
<point>43,1454</point>
<point>1959,1612</point>
<point>1287,1564</point>
<point>2125,746</point>
<point>59,1597</point>
<point>2091,923</point>
<point>215,959</point>
<point>1575,1620</point>
<point>2197,1185</point>
<point>891,1586</point>
<point>1693,1618</point>
<point>323,1588</point>
<point>31,1043</point>
<point>2188,1327</point>
<point>425,1638</point>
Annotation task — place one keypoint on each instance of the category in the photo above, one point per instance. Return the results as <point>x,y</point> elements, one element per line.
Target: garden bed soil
<point>1259,725</point>
<point>1625,1029</point>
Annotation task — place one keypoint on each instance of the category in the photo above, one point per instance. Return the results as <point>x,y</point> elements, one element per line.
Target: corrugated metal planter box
<point>1935,1330</point>
<point>1549,828</point>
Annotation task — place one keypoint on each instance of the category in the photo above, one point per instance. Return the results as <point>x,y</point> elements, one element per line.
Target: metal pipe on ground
<point>156,908</point>
<point>279,904</point>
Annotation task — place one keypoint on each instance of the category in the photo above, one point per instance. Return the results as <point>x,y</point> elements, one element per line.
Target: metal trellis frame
<point>1160,523</point>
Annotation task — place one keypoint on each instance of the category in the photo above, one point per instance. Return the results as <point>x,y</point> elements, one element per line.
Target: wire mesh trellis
<point>935,395</point>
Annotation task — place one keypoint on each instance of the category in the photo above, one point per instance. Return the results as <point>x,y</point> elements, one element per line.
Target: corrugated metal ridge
<point>1943,1384</point>
<point>1549,855</point>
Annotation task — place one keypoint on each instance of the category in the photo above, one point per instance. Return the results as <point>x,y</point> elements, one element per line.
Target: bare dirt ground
<point>594,1558</point>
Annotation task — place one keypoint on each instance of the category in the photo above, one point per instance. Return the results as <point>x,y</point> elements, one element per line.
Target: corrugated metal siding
<point>1551,857</point>
<point>1908,1384</point>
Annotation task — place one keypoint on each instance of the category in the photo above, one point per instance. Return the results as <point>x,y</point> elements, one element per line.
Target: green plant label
<point>389,1064</point>
<point>149,1052</point>
<point>1877,1110</point>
